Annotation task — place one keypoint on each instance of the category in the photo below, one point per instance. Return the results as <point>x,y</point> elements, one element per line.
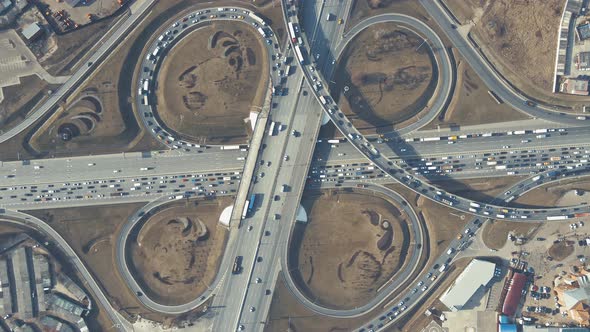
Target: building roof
<point>583,31</point>
<point>476,275</point>
<point>572,296</point>
<point>532,328</point>
<point>507,328</point>
<point>576,87</point>
<point>514,294</point>
<point>73,3</point>
<point>32,30</point>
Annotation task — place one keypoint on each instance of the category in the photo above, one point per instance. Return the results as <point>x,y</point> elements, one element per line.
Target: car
<point>250,228</point>
<point>258,280</point>
<point>252,309</point>
<point>241,328</point>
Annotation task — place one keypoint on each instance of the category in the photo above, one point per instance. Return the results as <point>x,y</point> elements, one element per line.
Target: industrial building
<point>475,278</point>
<point>52,324</point>
<point>573,293</point>
<point>583,31</point>
<point>6,303</point>
<point>22,284</point>
<point>530,328</point>
<point>32,31</point>
<point>574,87</point>
<point>583,61</point>
<point>514,294</point>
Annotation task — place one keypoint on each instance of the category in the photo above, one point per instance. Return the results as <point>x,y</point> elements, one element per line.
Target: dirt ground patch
<point>495,233</point>
<point>178,251</point>
<point>389,73</point>
<point>561,193</point>
<point>20,99</point>
<point>471,104</point>
<point>464,9</point>
<point>362,9</point>
<point>516,34</point>
<point>288,314</point>
<point>91,232</point>
<point>560,250</point>
<point>208,92</point>
<point>352,244</point>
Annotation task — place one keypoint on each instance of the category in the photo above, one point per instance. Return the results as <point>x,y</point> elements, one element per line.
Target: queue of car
<point>206,184</point>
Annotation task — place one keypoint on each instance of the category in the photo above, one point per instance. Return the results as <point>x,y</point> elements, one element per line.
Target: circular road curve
<point>399,279</point>
<point>192,21</point>
<point>444,65</point>
<point>164,43</point>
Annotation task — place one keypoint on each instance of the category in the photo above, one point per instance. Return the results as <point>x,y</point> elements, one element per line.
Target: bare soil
<point>519,37</point>
<point>178,250</point>
<point>20,99</point>
<point>71,47</point>
<point>207,93</point>
<point>288,314</point>
<point>554,194</point>
<point>495,233</point>
<point>345,253</point>
<point>92,232</point>
<point>389,72</point>
<point>471,104</point>
<point>464,9</point>
<point>560,250</point>
<point>362,9</point>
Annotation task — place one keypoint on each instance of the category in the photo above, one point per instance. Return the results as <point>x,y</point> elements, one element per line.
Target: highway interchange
<point>286,159</point>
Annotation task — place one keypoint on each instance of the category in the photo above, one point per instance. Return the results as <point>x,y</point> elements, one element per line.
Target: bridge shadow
<point>411,161</point>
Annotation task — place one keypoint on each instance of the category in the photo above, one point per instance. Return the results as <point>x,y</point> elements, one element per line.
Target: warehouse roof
<point>475,276</point>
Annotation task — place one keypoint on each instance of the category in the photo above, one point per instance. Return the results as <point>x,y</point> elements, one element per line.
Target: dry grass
<point>362,9</point>
<point>211,81</point>
<point>178,251</point>
<point>287,312</point>
<point>495,233</point>
<point>91,232</point>
<point>520,37</point>
<point>472,105</point>
<point>464,10</point>
<point>344,254</point>
<point>556,194</point>
<point>390,75</point>
<point>20,99</point>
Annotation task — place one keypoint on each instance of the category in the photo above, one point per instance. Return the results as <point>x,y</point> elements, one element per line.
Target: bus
<point>245,210</point>
<point>292,32</point>
<point>299,54</point>
<point>256,18</point>
<point>251,204</point>
<point>237,268</point>
<point>271,129</point>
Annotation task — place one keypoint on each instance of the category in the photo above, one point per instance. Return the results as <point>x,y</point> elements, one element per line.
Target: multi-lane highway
<point>93,62</point>
<point>284,162</point>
